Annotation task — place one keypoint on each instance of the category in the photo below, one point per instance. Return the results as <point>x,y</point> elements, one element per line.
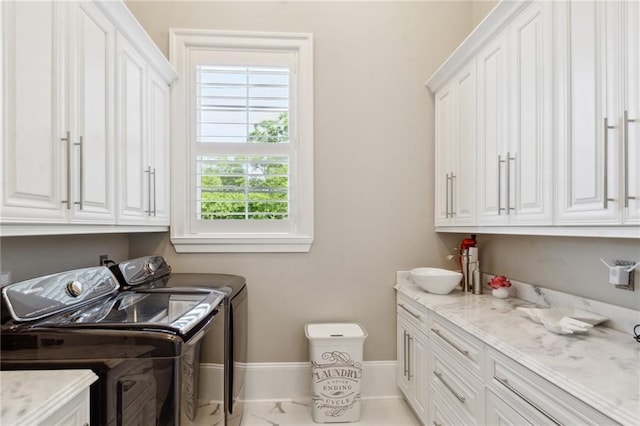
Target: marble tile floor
<point>375,412</point>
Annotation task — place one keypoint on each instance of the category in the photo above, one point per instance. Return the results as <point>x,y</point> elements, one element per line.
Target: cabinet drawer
<point>413,311</point>
<point>458,344</point>
<point>441,413</point>
<point>536,398</point>
<point>457,386</point>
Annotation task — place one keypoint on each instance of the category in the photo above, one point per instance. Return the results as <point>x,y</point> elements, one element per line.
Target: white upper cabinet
<point>530,117</point>
<point>62,118</point>
<point>631,113</point>
<point>598,145</point>
<point>557,131</point>
<point>33,156</point>
<point>58,135</point>
<point>158,136</point>
<point>514,121</point>
<point>131,134</point>
<point>492,133</point>
<point>143,140</point>
<point>92,117</point>
<point>455,150</point>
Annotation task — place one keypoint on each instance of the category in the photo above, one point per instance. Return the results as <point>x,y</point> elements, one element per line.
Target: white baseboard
<point>291,381</point>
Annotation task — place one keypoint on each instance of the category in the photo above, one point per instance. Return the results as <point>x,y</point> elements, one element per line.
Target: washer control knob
<point>74,288</point>
<point>150,267</point>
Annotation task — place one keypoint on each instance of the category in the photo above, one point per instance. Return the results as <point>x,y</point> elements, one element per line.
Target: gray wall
<point>373,163</point>
<point>479,9</point>
<point>570,265</point>
<point>29,257</point>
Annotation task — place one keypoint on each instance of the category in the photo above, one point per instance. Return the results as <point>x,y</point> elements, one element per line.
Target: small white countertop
<point>29,396</point>
<point>601,368</point>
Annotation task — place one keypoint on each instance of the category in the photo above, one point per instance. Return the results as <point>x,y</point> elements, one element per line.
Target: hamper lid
<point>331,330</point>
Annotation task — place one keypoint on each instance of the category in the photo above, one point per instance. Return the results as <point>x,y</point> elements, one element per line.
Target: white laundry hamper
<point>335,350</point>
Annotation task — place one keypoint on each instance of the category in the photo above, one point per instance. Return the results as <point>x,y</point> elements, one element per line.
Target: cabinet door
<point>402,351</point>
<point>631,154</point>
<point>33,150</point>
<point>492,125</point>
<point>93,165</point>
<point>530,117</point>
<point>465,180</point>
<point>134,172</point>
<point>412,350</point>
<point>419,373</point>
<point>588,147</point>
<point>444,153</point>
<point>158,143</point>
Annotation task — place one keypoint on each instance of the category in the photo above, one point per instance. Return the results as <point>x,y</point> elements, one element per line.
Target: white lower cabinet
<point>461,390</point>
<point>500,413</point>
<point>450,377</point>
<point>74,412</point>
<point>412,352</point>
<point>534,398</point>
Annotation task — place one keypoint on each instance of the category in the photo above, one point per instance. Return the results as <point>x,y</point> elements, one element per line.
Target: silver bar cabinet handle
<point>506,384</point>
<point>444,382</point>
<point>500,161</point>
<point>80,144</point>
<point>509,159</point>
<point>606,163</point>
<point>416,316</point>
<point>148,173</point>
<point>68,141</point>
<point>462,351</point>
<point>446,215</point>
<point>154,191</point>
<point>453,211</point>
<point>406,350</point>
<point>409,358</point>
<point>627,120</point>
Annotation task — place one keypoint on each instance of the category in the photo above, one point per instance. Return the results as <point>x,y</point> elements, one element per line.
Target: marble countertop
<point>601,368</point>
<point>29,396</point>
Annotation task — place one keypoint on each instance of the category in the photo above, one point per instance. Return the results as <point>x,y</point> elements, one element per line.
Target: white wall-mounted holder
<point>621,273</point>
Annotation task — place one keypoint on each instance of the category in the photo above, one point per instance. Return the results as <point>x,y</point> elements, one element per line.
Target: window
<point>242,142</point>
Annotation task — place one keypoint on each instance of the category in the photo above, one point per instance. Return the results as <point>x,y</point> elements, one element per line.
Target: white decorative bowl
<point>435,280</point>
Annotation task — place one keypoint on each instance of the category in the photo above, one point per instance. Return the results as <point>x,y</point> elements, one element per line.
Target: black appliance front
<point>230,357</point>
<point>141,344</point>
<point>139,376</point>
<point>233,356</point>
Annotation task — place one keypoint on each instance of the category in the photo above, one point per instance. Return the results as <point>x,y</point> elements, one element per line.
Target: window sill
<point>300,244</point>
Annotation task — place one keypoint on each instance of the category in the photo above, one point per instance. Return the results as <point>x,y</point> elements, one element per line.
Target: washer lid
<point>176,311</point>
<point>40,297</point>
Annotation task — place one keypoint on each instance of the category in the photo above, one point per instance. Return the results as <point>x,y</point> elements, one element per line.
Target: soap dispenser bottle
<point>465,260</point>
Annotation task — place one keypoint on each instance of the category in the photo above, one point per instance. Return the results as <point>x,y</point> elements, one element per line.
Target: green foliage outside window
<point>248,187</point>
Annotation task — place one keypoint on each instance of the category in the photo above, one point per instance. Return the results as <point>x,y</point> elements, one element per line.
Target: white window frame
<point>184,236</point>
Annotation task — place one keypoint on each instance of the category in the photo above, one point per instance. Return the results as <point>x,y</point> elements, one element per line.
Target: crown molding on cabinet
<point>495,21</point>
<point>129,26</point>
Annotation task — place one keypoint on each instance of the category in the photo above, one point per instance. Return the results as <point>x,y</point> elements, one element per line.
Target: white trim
<point>293,381</point>
<point>495,21</point>
<point>11,230</point>
<point>129,26</point>
<point>183,236</point>
<point>558,231</point>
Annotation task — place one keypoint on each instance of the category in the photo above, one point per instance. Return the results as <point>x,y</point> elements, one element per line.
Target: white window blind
<point>246,105</point>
